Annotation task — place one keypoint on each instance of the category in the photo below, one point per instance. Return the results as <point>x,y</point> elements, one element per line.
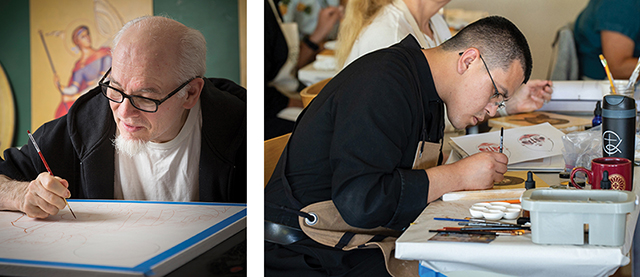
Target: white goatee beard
<point>130,147</point>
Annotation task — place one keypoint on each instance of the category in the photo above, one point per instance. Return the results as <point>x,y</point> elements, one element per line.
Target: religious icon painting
<point>520,144</point>
<point>493,147</point>
<point>536,142</point>
<point>71,49</point>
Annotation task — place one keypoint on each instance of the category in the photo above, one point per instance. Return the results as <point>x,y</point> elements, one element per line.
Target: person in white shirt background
<point>370,25</point>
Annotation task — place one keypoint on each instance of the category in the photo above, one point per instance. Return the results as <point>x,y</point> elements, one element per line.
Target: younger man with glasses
<point>154,129</point>
<point>371,143</point>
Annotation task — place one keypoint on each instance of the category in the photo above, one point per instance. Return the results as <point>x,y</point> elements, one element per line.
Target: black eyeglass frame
<point>104,86</point>
<point>496,93</point>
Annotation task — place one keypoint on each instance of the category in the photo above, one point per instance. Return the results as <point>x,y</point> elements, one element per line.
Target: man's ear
<point>466,58</point>
<point>193,94</point>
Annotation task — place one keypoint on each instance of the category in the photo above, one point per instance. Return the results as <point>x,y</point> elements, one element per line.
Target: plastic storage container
<point>559,216</point>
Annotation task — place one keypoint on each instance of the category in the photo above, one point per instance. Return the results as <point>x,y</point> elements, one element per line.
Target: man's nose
<point>126,108</point>
<point>491,109</point>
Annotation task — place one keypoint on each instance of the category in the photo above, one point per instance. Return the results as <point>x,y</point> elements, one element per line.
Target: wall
<point>538,20</point>
<point>15,59</point>
<point>216,19</point>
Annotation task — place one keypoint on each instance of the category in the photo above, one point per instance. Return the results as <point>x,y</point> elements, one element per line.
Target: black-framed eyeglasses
<point>139,102</point>
<point>496,94</point>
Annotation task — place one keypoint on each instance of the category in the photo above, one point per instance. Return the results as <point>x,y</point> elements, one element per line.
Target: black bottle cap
<point>605,183</point>
<point>618,102</point>
<point>529,183</point>
<point>598,110</point>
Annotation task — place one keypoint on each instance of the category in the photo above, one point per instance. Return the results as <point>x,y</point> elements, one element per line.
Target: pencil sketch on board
<point>110,234</point>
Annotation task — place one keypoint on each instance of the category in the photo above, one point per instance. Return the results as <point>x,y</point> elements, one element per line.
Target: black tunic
<point>356,142</point>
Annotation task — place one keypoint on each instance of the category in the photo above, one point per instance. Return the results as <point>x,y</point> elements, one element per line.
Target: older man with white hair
<point>154,129</point>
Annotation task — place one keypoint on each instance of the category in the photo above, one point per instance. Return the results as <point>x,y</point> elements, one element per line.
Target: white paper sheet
<point>579,97</point>
<point>548,164</point>
<point>579,90</point>
<point>520,144</point>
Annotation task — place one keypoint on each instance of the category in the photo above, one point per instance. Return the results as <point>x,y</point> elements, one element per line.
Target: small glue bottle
<point>528,184</point>
<point>605,183</point>
<point>597,116</point>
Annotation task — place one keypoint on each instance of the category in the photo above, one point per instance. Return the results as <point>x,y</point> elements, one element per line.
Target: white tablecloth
<point>510,255</point>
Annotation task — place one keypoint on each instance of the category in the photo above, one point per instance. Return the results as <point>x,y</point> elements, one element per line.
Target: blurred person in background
<point>610,28</point>
<point>370,25</point>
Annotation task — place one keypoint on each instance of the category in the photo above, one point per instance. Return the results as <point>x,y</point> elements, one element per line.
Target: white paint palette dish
<point>495,210</point>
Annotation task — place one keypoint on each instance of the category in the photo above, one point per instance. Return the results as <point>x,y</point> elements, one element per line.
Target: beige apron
<point>331,230</point>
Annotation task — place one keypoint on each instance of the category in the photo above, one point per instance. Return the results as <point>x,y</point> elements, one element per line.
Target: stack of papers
<point>576,97</point>
<point>580,97</point>
<point>537,148</point>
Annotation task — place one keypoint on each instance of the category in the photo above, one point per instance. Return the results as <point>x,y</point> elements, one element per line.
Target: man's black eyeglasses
<point>139,102</point>
<point>496,94</point>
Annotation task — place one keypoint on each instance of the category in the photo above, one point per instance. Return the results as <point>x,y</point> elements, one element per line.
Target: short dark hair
<point>499,40</point>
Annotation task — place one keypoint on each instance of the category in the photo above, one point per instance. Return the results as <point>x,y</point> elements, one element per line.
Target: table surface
<point>508,255</point>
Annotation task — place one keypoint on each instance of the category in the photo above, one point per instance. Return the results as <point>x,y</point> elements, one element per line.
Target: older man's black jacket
<point>78,146</point>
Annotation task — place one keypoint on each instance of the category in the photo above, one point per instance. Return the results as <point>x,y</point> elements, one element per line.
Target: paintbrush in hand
<point>47,166</point>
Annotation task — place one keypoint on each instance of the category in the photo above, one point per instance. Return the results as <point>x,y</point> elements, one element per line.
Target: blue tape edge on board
<point>146,266</point>
<point>67,265</point>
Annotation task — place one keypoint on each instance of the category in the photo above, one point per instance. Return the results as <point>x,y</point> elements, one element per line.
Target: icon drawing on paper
<point>536,142</point>
<point>493,147</point>
<point>520,144</point>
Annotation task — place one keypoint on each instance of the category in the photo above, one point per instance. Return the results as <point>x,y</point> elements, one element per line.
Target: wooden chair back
<point>272,151</point>
<point>308,93</point>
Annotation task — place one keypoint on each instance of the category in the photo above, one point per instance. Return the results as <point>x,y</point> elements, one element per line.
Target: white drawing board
<point>519,144</point>
<point>111,237</point>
